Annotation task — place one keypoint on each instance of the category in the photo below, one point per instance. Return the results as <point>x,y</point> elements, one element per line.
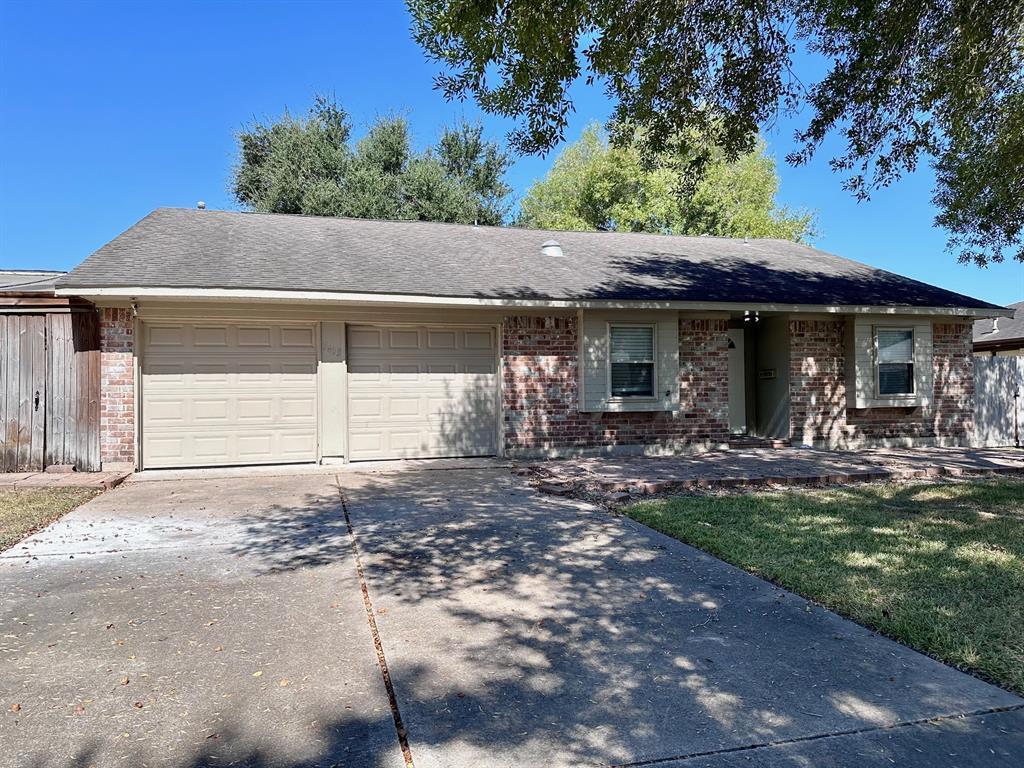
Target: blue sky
<point>110,110</point>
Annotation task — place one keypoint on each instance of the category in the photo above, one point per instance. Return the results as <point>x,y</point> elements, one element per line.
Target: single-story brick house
<point>244,338</point>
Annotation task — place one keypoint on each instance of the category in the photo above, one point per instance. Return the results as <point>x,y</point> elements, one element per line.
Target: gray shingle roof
<point>28,281</point>
<point>186,248</point>
<point>1007,328</point>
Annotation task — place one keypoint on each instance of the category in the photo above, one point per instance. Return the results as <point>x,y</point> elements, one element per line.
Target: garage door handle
<point>37,400</point>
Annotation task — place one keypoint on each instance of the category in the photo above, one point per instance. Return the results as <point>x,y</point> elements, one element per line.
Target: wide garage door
<point>419,392</point>
<point>228,393</point>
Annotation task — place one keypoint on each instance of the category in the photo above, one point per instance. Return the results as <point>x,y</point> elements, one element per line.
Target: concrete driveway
<point>516,628</point>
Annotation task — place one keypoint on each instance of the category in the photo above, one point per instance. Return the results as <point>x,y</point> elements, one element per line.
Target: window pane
<point>629,344</point>
<point>895,346</point>
<point>896,379</point>
<point>632,379</point>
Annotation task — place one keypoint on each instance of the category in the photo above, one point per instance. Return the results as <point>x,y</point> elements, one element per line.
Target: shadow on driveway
<point>520,630</point>
<point>544,632</point>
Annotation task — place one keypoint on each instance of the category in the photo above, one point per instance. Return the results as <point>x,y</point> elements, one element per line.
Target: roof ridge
<point>489,227</point>
<point>4,271</point>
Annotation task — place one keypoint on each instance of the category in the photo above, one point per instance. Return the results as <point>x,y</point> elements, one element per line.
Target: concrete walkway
<point>608,476</point>
<point>104,480</point>
<point>250,622</point>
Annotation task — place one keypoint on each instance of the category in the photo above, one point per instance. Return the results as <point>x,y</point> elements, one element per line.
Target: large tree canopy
<point>903,79</point>
<point>595,185</point>
<point>308,165</point>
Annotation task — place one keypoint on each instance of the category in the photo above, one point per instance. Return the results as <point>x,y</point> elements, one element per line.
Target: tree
<point>596,185</point>
<point>904,80</point>
<point>308,165</point>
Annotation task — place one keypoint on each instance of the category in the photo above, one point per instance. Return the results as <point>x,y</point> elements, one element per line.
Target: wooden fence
<point>998,401</point>
<point>49,403</point>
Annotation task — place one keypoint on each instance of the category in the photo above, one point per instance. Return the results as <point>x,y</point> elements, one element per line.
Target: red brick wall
<point>952,416</point>
<point>117,390</point>
<point>541,402</point>
<point>818,410</point>
<point>817,384</point>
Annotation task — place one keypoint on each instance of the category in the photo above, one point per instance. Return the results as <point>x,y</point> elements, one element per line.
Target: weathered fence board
<point>24,388</point>
<point>49,401</point>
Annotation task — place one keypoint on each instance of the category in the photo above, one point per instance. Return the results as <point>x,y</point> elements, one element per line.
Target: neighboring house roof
<point>187,248</point>
<point>28,281</point>
<point>1003,332</point>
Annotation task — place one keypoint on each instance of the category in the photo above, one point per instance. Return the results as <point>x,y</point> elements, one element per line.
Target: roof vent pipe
<point>552,249</point>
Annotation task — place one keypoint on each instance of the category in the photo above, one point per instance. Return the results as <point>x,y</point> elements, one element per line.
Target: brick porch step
<point>740,442</point>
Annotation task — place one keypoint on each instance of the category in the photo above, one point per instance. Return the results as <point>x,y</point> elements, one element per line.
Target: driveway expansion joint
<point>816,737</point>
<point>382,662</point>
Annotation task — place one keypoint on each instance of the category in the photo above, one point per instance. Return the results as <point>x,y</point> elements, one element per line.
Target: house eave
<point>129,293</point>
<point>999,345</point>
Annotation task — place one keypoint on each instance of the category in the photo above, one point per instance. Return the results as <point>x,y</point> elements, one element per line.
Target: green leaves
<point>308,165</point>
<point>903,82</point>
<point>597,185</point>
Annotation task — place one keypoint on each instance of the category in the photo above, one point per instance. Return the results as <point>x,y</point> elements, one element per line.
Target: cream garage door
<point>420,392</point>
<point>228,393</point>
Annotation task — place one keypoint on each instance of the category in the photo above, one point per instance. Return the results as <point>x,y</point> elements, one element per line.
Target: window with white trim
<point>632,369</point>
<point>894,361</point>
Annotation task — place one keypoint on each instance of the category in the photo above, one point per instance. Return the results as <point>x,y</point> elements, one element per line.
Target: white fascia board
<point>407,300</point>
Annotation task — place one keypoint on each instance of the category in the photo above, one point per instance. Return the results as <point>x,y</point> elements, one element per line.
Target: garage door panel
<point>166,336</point>
<point>297,408</point>
<point>252,447</point>
<point>162,411</point>
<point>258,336</point>
<point>407,407</point>
<point>364,338</point>
<point>161,449</point>
<point>478,339</point>
<point>365,407</point>
<point>258,409</point>
<point>298,337</point>
<point>366,443</point>
<point>228,394</point>
<point>210,336</point>
<point>441,339</point>
<point>210,448</point>
<point>404,339</point>
<point>206,411</point>
<point>438,398</point>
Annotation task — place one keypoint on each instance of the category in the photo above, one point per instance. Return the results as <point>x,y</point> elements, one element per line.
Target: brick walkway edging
<point>665,486</point>
<point>591,477</point>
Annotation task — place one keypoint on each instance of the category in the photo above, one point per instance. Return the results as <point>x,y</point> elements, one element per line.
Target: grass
<point>939,567</point>
<point>23,511</point>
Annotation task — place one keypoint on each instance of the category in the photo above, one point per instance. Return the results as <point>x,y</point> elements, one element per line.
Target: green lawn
<point>24,511</point>
<point>939,567</point>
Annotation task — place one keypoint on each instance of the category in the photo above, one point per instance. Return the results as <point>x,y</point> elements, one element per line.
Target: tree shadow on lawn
<point>939,566</point>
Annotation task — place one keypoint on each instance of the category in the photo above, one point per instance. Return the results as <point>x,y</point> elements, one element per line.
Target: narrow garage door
<point>215,394</point>
<point>422,392</point>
